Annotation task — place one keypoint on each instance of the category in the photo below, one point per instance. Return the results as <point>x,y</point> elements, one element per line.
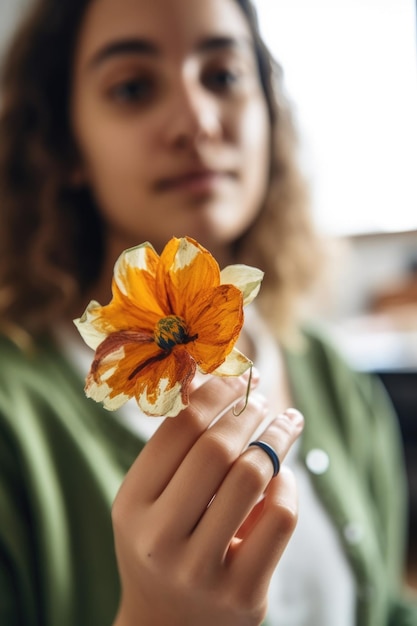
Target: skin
<point>183,562</point>
<point>172,131</point>
<point>169,118</point>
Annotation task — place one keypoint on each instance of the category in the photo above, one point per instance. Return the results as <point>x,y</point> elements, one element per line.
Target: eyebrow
<point>145,47</point>
<point>124,47</point>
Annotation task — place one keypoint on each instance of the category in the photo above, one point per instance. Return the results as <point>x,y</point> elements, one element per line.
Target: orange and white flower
<point>170,315</point>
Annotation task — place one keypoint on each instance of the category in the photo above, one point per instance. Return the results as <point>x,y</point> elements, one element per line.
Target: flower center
<point>170,331</point>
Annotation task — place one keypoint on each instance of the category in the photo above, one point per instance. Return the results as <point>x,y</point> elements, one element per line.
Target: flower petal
<point>185,268</point>
<point>164,388</point>
<point>101,392</point>
<point>134,283</point>
<point>235,364</point>
<point>134,305</point>
<point>89,330</point>
<point>217,321</point>
<point>247,279</point>
<point>118,360</point>
<point>134,272</point>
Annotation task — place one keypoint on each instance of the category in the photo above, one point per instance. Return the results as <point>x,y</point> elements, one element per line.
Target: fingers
<point>189,509</point>
<point>243,485</point>
<point>253,559</point>
<point>165,451</point>
<point>204,468</point>
<point>280,435</point>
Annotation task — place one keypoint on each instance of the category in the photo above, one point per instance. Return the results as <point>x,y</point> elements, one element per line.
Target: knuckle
<point>220,448</point>
<point>283,427</point>
<point>286,516</point>
<point>257,402</point>
<point>237,383</point>
<point>227,386</point>
<point>255,471</point>
<point>194,418</point>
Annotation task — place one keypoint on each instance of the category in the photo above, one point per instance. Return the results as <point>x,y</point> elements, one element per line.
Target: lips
<point>197,181</point>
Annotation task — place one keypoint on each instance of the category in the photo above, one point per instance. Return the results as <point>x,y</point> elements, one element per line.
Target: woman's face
<point>170,120</point>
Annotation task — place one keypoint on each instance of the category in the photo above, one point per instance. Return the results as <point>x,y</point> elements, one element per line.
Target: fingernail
<point>294,416</point>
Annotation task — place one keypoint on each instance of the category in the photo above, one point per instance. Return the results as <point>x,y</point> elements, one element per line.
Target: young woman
<point>126,121</point>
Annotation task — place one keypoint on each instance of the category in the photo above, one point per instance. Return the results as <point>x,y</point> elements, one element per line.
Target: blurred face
<point>170,120</point>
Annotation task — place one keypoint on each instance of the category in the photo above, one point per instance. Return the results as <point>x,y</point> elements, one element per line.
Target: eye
<point>221,79</point>
<point>132,91</point>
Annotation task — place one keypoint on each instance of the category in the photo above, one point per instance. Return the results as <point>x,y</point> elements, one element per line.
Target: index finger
<point>174,438</point>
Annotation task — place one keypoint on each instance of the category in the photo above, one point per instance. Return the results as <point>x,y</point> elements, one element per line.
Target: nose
<point>193,115</point>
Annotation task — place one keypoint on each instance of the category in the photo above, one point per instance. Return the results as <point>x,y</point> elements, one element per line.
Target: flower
<point>170,315</point>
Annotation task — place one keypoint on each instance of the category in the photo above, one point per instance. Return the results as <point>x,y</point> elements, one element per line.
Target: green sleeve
<point>387,479</point>
<point>17,594</point>
<point>32,554</point>
<point>61,462</point>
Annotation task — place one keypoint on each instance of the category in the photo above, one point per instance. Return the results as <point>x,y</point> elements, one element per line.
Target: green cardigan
<point>62,458</point>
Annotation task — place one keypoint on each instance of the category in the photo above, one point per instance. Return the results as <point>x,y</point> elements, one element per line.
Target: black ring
<point>270,452</point>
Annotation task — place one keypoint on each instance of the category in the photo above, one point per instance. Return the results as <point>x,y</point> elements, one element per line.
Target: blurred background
<point>351,73</point>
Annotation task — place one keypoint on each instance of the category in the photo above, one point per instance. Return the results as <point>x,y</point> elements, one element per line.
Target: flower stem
<point>247,395</point>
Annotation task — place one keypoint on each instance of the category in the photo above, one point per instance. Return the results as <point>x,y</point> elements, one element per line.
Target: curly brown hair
<point>51,240</point>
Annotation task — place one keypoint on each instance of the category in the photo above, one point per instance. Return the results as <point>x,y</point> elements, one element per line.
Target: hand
<point>196,543</point>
